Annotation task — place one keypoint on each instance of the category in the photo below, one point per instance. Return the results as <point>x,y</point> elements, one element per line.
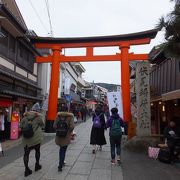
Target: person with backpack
<point>97,131</point>
<point>115,123</point>
<point>31,127</point>
<point>64,125</point>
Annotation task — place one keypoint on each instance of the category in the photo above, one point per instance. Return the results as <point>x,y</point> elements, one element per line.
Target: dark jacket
<point>114,116</point>
<point>110,120</point>
<point>97,134</point>
<point>169,136</point>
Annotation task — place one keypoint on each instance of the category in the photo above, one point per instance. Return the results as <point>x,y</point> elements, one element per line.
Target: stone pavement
<point>8,144</point>
<point>81,164</point>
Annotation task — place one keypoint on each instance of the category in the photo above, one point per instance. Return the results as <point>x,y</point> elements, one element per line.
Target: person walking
<point>83,113</point>
<point>31,126</point>
<point>97,131</point>
<point>115,123</point>
<point>2,127</point>
<point>64,125</point>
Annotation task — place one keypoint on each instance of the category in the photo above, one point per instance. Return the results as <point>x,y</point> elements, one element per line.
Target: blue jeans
<point>115,143</point>
<point>62,153</point>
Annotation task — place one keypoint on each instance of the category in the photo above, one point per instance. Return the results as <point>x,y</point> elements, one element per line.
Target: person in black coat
<point>97,134</point>
<point>172,138</point>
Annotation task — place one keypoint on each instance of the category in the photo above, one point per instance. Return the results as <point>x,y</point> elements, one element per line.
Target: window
<point>31,62</point>
<point>19,54</point>
<point>4,43</point>
<point>15,50</point>
<point>21,50</point>
<point>25,58</point>
<point>12,47</point>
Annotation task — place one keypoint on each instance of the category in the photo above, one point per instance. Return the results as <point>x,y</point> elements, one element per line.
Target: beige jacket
<point>64,141</point>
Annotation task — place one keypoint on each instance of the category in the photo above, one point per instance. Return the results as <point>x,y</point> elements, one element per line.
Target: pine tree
<point>171,24</point>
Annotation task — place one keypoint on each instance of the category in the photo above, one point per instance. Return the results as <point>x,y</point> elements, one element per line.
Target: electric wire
<point>38,16</point>
<point>47,6</point>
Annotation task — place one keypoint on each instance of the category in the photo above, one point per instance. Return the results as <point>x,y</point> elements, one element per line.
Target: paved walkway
<point>81,164</point>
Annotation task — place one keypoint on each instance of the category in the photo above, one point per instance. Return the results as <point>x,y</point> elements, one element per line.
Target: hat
<point>36,107</point>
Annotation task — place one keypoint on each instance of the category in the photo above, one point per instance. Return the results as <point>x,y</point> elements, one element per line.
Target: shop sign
<point>15,117</point>
<point>14,130</point>
<point>14,125</point>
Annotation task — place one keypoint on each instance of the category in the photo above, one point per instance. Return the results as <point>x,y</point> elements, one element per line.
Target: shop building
<point>18,73</point>
<point>165,89</point>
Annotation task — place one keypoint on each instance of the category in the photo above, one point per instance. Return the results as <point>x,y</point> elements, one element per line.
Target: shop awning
<point>159,98</point>
<point>171,95</point>
<point>5,102</point>
<point>91,102</point>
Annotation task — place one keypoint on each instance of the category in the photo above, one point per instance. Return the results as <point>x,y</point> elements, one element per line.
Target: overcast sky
<point>78,18</point>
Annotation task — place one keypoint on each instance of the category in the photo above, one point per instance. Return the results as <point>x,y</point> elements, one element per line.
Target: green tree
<point>171,24</point>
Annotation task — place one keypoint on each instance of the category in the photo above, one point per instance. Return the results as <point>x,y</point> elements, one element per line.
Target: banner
<point>45,104</point>
<point>67,85</point>
<point>115,100</point>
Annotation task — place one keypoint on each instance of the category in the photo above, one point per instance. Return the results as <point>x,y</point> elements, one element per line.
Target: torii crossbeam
<point>122,41</point>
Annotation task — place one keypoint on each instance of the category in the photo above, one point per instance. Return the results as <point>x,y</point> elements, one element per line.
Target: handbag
<point>153,152</point>
<point>164,155</point>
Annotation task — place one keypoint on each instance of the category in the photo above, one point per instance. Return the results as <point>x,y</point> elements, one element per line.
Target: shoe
<point>64,163</point>
<point>119,161</point>
<point>93,151</point>
<point>38,167</point>
<point>113,162</point>
<point>59,169</point>
<point>27,172</point>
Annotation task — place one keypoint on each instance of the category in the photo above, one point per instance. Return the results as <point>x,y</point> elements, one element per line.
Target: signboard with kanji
<point>115,100</point>
<point>143,99</point>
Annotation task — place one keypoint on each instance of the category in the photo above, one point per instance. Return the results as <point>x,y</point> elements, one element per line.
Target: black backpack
<point>27,130</point>
<point>62,128</point>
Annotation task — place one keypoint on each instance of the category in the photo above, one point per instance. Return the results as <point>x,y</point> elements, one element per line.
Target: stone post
<point>143,99</point>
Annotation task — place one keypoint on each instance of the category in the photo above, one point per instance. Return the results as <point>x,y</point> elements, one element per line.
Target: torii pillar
<point>122,41</point>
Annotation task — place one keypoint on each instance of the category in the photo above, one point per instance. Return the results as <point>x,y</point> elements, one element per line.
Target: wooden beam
<point>90,58</point>
<point>89,51</point>
<point>138,57</point>
<point>92,44</point>
<point>42,59</point>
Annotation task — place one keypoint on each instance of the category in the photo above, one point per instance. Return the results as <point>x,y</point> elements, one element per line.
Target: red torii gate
<point>122,41</point>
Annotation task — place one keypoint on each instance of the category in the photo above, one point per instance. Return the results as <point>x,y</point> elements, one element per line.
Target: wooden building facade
<point>18,72</point>
<point>165,89</point>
